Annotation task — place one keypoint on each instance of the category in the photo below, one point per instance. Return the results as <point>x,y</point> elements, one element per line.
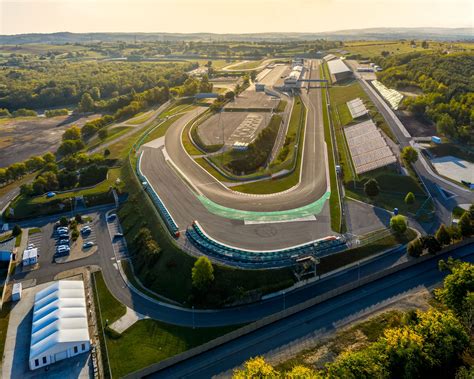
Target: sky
<point>221,16</point>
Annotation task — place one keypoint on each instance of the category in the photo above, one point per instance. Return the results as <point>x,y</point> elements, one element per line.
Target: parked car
<point>63,250</point>
<point>111,217</point>
<point>62,233</point>
<point>31,246</point>
<point>88,245</point>
<point>86,229</point>
<point>118,235</point>
<point>50,194</point>
<point>63,242</point>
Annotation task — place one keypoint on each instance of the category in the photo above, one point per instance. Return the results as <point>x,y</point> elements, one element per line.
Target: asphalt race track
<point>181,198</point>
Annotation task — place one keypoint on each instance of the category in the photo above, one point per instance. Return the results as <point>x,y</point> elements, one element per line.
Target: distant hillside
<point>445,34</point>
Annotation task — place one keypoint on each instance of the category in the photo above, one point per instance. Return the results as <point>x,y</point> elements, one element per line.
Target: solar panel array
<point>357,108</point>
<point>368,147</point>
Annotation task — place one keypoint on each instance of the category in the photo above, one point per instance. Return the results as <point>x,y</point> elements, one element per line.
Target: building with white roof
<point>59,329</point>
<point>338,70</point>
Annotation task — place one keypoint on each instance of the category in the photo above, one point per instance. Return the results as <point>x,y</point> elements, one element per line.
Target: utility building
<point>339,71</point>
<point>60,328</point>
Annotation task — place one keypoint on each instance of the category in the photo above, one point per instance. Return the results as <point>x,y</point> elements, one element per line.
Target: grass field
<point>147,341</point>
<point>4,318</point>
<point>140,118</point>
<point>374,48</point>
<point>247,65</point>
<point>334,200</point>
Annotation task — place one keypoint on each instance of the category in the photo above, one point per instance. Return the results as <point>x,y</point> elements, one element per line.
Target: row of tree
<point>19,169</point>
<point>426,344</point>
<point>51,84</point>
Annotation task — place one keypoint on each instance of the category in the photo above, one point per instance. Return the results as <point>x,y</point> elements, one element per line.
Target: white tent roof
<point>337,66</point>
<point>59,318</point>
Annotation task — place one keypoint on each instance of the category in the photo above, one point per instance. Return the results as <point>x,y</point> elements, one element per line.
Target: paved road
<point>433,182</point>
<point>323,317</point>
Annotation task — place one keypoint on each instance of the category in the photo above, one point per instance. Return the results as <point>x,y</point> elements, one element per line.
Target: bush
<point>23,112</point>
<point>16,231</point>
<point>56,112</point>
<point>398,224</point>
<point>371,188</point>
<point>442,235</point>
<point>415,248</point>
<point>410,198</point>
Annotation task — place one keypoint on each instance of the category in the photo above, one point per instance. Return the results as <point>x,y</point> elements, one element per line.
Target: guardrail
<point>286,313</point>
<point>170,223</point>
<point>277,258</point>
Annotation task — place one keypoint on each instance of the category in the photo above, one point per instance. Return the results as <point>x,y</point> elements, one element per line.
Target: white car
<point>31,246</point>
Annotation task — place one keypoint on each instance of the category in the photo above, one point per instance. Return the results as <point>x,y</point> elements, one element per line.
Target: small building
<point>59,329</point>
<point>5,255</point>
<point>30,257</point>
<point>338,70</point>
<point>259,87</point>
<point>16,291</point>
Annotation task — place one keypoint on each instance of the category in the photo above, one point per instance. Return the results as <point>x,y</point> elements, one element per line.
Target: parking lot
<point>115,230</point>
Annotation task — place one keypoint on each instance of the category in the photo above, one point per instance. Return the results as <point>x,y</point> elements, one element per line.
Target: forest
<point>53,84</point>
<point>446,82</point>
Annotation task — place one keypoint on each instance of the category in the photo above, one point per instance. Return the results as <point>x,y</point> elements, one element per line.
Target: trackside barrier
<point>282,257</point>
<point>160,206</point>
<point>286,313</point>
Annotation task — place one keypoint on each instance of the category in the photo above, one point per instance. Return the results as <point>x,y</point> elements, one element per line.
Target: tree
<point>72,133</point>
<point>442,235</point>
<point>34,163</point>
<point>70,147</point>
<point>49,157</point>
<point>95,93</point>
<point>202,273</point>
<point>26,189</point>
<point>302,372</point>
<point>415,248</point>
<point>86,104</point>
<point>398,224</point>
<point>106,153</point>
<point>409,155</point>
<point>446,125</point>
<point>51,180</point>
<point>457,285</point>
<point>39,185</point>
<point>356,364</point>
<point>466,225</point>
<point>371,188</point>
<point>431,244</point>
<point>88,130</point>
<point>103,133</point>
<point>229,95</point>
<point>255,368</point>
<point>424,45</point>
<point>410,198</point>
<point>16,231</point>
<point>63,221</point>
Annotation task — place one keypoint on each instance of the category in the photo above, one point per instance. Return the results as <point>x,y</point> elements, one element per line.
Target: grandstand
<point>368,147</point>
<point>392,96</point>
<point>271,258</point>
<point>329,57</point>
<point>357,108</point>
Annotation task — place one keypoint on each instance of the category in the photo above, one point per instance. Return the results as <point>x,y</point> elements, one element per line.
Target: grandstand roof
<point>368,148</point>
<point>59,318</point>
<point>329,57</point>
<point>337,66</point>
<point>357,108</point>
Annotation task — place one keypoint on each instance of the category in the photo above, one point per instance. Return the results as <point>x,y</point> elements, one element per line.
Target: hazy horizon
<point>211,16</point>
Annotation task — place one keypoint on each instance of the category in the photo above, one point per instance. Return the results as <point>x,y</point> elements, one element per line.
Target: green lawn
<point>393,189</point>
<point>140,118</point>
<point>281,106</point>
<point>247,65</point>
<point>147,341</point>
<point>211,170</point>
<point>370,49</point>
<point>161,130</point>
<point>4,318</point>
<point>334,201</point>
<point>335,261</point>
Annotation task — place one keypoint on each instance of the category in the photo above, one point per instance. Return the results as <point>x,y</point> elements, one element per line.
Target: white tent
<point>60,328</point>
